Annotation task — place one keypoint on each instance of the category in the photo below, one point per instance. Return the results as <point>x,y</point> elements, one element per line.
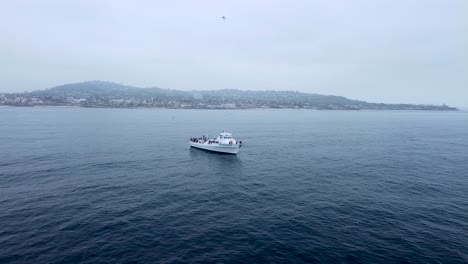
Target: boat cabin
<point>225,135</point>
<point>226,138</point>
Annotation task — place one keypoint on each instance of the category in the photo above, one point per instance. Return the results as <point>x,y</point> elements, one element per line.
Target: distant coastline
<point>100,94</point>
<point>214,109</point>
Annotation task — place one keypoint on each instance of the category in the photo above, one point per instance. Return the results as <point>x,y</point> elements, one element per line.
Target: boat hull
<point>226,149</point>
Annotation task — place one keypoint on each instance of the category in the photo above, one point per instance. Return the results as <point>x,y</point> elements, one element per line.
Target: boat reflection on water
<point>224,164</point>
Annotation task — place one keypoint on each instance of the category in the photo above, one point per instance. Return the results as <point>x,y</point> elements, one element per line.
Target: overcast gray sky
<point>376,50</point>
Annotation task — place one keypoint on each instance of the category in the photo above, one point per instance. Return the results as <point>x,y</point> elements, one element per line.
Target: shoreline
<point>234,109</point>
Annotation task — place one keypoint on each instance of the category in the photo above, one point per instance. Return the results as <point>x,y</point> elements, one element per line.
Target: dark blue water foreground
<point>121,185</point>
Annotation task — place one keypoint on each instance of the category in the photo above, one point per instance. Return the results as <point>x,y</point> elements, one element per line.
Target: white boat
<point>224,143</point>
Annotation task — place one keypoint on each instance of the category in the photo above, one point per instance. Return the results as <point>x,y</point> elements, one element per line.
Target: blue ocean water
<point>121,185</point>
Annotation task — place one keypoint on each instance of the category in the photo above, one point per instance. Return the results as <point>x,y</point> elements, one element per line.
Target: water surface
<point>121,185</point>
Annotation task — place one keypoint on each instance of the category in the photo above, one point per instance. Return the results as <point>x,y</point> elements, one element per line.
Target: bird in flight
<point>223,17</point>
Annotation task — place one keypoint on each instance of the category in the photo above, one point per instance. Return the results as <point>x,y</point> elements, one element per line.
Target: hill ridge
<point>96,93</point>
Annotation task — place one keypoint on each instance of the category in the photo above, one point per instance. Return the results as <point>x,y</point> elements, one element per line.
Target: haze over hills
<point>109,94</point>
